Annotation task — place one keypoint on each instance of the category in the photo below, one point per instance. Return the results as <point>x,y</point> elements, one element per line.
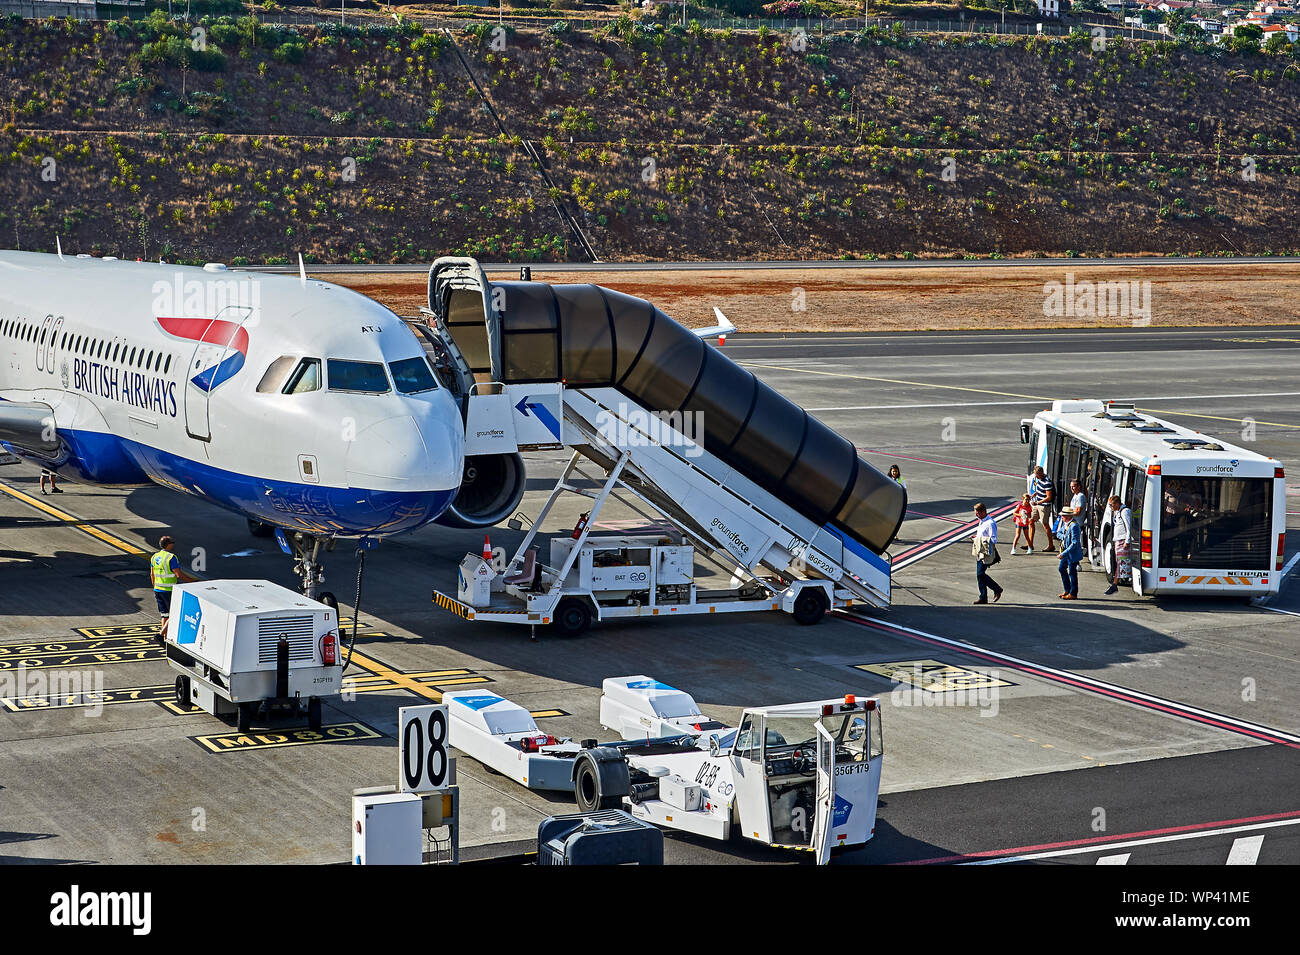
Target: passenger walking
<point>1071,554</point>
<point>984,548</point>
<point>47,475</point>
<point>1121,525</point>
<point>1043,495</point>
<point>1023,515</point>
<point>165,571</point>
<point>896,476</point>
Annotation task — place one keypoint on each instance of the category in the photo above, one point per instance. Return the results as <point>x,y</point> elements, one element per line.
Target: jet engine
<point>490,489</point>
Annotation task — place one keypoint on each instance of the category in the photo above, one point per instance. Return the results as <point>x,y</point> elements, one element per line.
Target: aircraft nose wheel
<point>329,600</point>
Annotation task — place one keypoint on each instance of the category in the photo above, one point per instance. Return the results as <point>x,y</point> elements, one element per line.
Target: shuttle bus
<point>1208,517</point>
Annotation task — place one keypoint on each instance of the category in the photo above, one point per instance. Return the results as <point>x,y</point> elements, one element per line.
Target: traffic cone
<point>487,548</point>
<point>722,340</point>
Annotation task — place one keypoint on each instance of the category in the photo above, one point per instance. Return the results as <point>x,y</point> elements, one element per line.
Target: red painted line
<point>1103,840</point>
<point>946,464</point>
<point>947,537</point>
<point>1117,693</point>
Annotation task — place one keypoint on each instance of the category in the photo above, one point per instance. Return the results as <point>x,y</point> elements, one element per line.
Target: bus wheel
<point>1108,560</point>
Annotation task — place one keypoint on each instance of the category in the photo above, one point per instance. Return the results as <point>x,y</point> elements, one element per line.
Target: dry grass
<point>913,299</point>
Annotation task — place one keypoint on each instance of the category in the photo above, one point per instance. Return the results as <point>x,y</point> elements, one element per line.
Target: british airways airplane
<point>297,404</point>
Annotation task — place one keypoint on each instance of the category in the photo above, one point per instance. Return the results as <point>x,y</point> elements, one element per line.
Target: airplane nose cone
<point>396,454</point>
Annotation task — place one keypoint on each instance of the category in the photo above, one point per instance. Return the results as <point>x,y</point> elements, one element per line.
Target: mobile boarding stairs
<point>777,500</point>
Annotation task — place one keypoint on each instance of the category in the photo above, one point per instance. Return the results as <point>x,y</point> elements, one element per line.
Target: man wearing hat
<point>1071,552</point>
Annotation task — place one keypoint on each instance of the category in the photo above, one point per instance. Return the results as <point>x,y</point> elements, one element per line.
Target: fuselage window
<point>131,359</point>
<point>306,377</point>
<point>274,378</point>
<point>365,377</point>
<point>168,366</point>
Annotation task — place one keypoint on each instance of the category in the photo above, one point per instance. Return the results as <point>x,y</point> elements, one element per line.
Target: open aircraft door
<point>222,346</point>
<point>821,834</point>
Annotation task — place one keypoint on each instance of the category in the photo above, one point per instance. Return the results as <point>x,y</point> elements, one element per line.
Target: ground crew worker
<point>165,570</point>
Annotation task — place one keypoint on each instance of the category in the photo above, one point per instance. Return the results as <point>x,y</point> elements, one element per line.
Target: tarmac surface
<point>1161,731</point>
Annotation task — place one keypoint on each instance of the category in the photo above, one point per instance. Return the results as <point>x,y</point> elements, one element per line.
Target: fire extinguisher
<point>581,526</point>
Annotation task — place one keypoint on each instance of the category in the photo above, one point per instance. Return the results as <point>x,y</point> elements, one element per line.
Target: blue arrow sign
<point>543,414</point>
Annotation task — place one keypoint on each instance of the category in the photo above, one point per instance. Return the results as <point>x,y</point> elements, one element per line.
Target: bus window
<point>1216,523</point>
<point>1033,452</point>
<point>1102,489</point>
<point>1071,468</point>
<point>1136,498</point>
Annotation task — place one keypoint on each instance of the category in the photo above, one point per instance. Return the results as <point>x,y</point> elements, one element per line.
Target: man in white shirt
<point>983,547</point>
<point>1121,518</point>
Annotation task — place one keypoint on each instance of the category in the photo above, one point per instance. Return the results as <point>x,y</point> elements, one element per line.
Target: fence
<point>40,9</point>
<point>55,8</point>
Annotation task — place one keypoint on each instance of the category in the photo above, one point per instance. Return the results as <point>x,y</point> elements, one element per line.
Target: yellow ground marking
<point>298,736</point>
<point>401,680</point>
<point>1235,421</point>
<point>374,667</point>
<point>76,523</point>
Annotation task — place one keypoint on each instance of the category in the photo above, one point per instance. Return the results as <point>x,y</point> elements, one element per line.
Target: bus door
<point>1146,514</point>
<point>1098,497</point>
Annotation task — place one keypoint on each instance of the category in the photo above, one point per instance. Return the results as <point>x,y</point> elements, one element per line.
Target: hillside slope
<point>378,145</point>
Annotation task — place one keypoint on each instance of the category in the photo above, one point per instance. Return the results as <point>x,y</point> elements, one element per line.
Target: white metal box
<point>232,629</point>
<point>676,565</point>
<point>388,829</point>
<point>474,583</point>
<point>680,794</point>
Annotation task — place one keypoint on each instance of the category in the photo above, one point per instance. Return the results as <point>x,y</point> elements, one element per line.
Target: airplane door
<point>42,343</point>
<point>821,834</point>
<point>52,345</point>
<point>216,346</point>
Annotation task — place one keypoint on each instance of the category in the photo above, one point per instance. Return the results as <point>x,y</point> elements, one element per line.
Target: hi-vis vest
<point>160,566</point>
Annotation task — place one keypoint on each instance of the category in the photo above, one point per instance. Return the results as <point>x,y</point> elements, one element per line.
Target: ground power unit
<point>251,648</point>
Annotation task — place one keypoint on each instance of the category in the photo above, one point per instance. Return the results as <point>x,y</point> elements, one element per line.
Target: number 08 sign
<point>422,749</point>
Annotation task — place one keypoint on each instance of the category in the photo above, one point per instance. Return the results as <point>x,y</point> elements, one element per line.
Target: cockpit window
<point>412,375</point>
<point>306,377</point>
<point>274,377</point>
<point>364,376</point>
